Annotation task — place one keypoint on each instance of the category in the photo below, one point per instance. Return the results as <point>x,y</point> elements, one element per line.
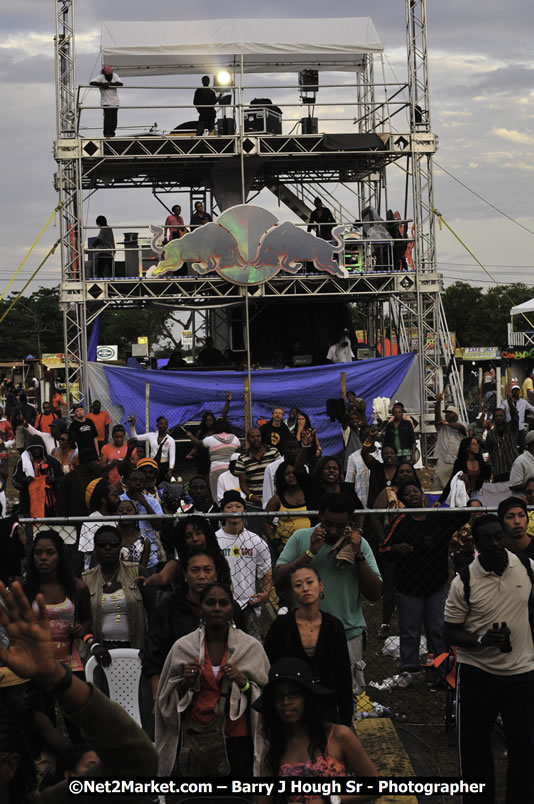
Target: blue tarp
<point>184,395</point>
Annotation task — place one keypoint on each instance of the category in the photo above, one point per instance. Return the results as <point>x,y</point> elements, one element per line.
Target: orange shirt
<point>100,420</point>
<point>206,700</point>
<point>112,453</point>
<point>43,422</point>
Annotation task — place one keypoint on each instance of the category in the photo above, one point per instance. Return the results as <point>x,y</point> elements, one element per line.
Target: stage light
<point>308,85</point>
<point>223,79</point>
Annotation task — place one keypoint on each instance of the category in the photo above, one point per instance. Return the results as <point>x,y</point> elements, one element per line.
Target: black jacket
<point>172,619</point>
<point>331,663</point>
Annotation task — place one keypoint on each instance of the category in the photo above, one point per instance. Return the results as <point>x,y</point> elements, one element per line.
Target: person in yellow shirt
<point>528,386</point>
<point>529,494</point>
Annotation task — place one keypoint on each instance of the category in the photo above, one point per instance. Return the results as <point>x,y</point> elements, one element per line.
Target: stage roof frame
<point>175,47</point>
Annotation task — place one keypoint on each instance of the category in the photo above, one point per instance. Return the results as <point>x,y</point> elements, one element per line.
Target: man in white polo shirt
<point>486,617</point>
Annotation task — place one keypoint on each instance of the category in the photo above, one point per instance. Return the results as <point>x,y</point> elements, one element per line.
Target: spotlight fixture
<point>222,79</point>
<point>308,85</point>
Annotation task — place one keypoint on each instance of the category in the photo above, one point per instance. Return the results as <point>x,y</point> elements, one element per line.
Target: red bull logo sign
<point>247,246</point>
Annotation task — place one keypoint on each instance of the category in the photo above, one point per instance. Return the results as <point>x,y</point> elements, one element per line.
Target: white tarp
<point>267,45</point>
<point>526,307</point>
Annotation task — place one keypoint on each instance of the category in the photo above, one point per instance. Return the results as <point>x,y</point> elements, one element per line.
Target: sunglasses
<point>114,543</point>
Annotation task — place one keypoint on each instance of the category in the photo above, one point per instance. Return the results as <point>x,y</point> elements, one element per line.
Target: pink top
<point>61,619</point>
<point>320,766</point>
<point>174,223</point>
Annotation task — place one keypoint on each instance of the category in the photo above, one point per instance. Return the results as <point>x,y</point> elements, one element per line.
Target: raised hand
<point>31,652</point>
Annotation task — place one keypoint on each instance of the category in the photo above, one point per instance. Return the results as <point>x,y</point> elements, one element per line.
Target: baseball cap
<point>452,409</point>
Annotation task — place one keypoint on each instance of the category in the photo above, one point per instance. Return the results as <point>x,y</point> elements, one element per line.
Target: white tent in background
<point>525,307</point>
<point>266,45</point>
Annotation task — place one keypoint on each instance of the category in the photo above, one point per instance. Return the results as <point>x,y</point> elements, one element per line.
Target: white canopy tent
<point>525,307</point>
<point>265,45</point>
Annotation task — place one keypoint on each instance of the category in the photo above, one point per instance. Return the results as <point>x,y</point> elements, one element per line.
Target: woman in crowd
<point>221,446</point>
<point>66,452</point>
<point>380,474</point>
<point>178,614</point>
<point>118,458</point>
<point>315,637</point>
<point>300,740</point>
<point>161,446</point>
<point>417,545</point>
<point>119,607</point>
<point>135,547</point>
<point>207,428</point>
<point>190,531</point>
<point>215,661</point>
<point>472,465</point>
<point>303,423</point>
<point>67,605</point>
<point>289,497</point>
<point>380,525</point>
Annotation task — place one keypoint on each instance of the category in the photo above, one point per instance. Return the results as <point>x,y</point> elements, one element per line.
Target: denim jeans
<point>413,613</point>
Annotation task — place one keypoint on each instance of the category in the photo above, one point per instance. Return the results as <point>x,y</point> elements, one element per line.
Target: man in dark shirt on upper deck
<point>205,97</point>
<point>199,216</point>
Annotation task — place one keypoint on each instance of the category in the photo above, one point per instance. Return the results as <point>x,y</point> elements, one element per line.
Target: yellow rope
<point>53,215</point>
<point>17,297</point>
<point>459,239</point>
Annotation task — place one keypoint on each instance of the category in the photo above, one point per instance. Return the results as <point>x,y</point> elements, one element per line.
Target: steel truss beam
<point>171,163</point>
<point>205,291</point>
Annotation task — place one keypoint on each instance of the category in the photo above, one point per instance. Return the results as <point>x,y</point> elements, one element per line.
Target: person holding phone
<point>345,583</point>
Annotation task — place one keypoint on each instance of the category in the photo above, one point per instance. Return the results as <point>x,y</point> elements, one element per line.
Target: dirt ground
<point>421,711</point>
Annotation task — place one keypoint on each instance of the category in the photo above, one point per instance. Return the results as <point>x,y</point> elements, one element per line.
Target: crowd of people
<point>248,606</point>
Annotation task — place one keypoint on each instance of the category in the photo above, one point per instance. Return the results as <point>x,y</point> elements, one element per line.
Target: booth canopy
<point>526,307</point>
<point>267,45</point>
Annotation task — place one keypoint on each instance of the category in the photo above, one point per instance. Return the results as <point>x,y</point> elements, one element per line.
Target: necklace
<point>109,581</point>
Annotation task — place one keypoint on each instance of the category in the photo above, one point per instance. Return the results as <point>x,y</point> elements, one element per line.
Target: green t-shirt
<point>342,596</point>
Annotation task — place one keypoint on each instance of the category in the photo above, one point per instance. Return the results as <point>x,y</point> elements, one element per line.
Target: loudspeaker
<point>225,125</point>
<point>310,125</point>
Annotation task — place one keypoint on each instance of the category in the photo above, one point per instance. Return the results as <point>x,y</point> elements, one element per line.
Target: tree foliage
<point>35,326</point>
<point>480,318</point>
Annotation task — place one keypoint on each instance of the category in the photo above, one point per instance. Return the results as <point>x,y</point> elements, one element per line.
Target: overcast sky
<point>481,88</point>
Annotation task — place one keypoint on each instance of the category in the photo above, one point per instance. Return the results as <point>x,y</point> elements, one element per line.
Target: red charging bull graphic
<point>248,246</point>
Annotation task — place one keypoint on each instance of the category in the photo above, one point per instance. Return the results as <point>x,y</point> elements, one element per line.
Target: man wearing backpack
<point>487,618</point>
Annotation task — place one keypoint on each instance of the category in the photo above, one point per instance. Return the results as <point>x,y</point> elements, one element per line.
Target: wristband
<point>250,496</point>
<point>64,683</point>
<point>246,687</point>
<point>87,637</point>
<point>93,646</point>
<point>367,443</point>
<point>310,554</point>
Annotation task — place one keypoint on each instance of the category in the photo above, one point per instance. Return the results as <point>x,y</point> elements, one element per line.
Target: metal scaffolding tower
<point>295,167</point>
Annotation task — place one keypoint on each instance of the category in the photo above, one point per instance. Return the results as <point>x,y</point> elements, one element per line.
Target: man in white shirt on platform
<point>107,83</point>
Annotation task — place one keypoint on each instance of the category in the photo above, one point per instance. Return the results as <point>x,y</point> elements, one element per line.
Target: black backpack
<point>465,578</point>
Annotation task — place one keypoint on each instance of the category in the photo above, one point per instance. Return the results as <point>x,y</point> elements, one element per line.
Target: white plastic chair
<point>123,677</point>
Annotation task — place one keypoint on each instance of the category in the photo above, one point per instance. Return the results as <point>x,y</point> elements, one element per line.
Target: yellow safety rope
<point>441,220</point>
<point>53,215</point>
<point>19,294</point>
